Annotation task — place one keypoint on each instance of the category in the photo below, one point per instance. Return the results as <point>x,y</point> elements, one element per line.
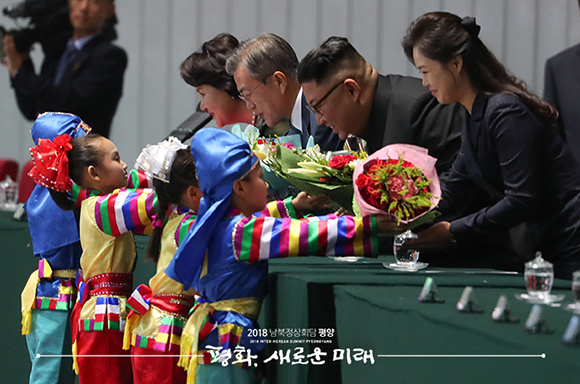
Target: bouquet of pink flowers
<point>401,180</point>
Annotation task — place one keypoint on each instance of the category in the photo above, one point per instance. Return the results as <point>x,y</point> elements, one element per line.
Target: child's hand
<point>390,225</point>
<point>304,202</point>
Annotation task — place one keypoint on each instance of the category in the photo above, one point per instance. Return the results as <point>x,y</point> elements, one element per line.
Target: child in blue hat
<point>50,292</point>
<point>112,208</point>
<point>159,311</point>
<point>224,257</point>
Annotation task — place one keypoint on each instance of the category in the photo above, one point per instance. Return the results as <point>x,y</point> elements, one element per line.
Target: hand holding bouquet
<point>317,173</point>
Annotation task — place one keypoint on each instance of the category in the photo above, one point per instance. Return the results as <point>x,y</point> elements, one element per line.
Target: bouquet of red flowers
<point>399,179</point>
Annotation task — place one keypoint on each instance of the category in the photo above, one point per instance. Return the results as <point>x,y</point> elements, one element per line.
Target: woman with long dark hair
<point>510,146</point>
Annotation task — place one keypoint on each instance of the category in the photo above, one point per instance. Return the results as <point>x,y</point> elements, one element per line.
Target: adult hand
<point>304,201</point>
<point>435,237</point>
<point>13,58</point>
<point>389,224</point>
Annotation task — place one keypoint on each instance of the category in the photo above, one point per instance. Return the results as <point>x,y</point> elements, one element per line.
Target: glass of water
<point>539,276</point>
<point>405,256</point>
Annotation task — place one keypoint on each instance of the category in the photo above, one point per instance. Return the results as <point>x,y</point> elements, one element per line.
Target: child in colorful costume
<point>108,216</point>
<point>50,292</point>
<point>225,258</point>
<point>158,312</point>
<point>155,324</point>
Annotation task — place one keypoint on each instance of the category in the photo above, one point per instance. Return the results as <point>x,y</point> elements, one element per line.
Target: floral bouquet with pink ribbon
<point>400,180</point>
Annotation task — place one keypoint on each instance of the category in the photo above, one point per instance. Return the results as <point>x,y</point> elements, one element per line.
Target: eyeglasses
<point>315,107</point>
<point>246,98</point>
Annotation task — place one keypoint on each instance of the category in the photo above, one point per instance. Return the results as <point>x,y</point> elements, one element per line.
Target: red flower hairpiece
<point>50,163</point>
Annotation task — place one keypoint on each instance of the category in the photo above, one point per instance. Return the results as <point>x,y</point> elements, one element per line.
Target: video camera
<point>48,18</point>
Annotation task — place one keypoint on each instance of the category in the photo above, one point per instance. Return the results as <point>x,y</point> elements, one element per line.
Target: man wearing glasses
<point>347,94</point>
<point>264,69</point>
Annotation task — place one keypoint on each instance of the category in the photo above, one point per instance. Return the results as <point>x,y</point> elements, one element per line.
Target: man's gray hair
<point>264,55</point>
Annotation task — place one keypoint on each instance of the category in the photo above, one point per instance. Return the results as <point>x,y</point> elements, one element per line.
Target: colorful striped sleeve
<point>137,179</point>
<point>262,238</point>
<point>78,194</point>
<point>281,209</point>
<point>126,210</point>
<point>184,227</point>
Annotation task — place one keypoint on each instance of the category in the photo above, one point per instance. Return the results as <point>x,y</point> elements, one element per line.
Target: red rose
<point>375,200</point>
<point>406,164</point>
<point>372,165</point>
<point>339,162</point>
<point>363,180</point>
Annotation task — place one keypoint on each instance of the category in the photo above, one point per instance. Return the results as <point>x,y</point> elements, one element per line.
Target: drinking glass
<point>539,276</point>
<point>405,256</point>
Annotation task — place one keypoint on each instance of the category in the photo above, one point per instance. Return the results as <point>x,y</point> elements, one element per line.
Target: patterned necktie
<point>65,61</point>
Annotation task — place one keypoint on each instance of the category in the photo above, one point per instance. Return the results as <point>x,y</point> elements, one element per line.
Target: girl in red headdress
<point>111,208</point>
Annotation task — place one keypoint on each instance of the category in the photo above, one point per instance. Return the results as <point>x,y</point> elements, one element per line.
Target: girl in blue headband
<point>224,257</point>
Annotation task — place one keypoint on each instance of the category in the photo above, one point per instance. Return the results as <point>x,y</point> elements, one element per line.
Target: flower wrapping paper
<point>420,158</point>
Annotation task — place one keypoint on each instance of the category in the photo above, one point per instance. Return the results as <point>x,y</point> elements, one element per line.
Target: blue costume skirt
<point>50,336</point>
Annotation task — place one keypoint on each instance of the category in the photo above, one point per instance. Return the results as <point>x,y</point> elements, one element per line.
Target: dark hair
<point>329,57</point>
<point>84,153</point>
<point>208,65</point>
<point>264,55</point>
<point>182,176</point>
<point>441,36</point>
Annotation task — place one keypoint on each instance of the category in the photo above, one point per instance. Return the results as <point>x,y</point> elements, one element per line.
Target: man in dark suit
<point>350,96</point>
<point>562,90</point>
<point>264,69</point>
<point>81,74</point>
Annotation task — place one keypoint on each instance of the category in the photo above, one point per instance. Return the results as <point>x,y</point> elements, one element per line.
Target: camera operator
<point>81,74</point>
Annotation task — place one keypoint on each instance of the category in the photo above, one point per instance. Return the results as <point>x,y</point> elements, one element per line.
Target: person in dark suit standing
<point>347,94</point>
<point>510,146</point>
<point>562,90</point>
<point>81,74</point>
<point>264,69</point>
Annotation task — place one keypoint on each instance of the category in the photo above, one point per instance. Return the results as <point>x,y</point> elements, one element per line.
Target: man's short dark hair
<point>264,55</point>
<point>325,60</point>
<point>208,65</point>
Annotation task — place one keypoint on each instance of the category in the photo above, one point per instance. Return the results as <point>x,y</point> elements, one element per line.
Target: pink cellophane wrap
<point>418,156</point>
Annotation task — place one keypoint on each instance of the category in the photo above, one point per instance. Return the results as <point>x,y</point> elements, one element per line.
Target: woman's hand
<point>389,224</point>
<point>303,201</point>
<point>435,237</point>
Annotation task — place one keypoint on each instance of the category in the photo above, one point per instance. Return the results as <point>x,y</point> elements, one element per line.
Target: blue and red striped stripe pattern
<point>262,238</point>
